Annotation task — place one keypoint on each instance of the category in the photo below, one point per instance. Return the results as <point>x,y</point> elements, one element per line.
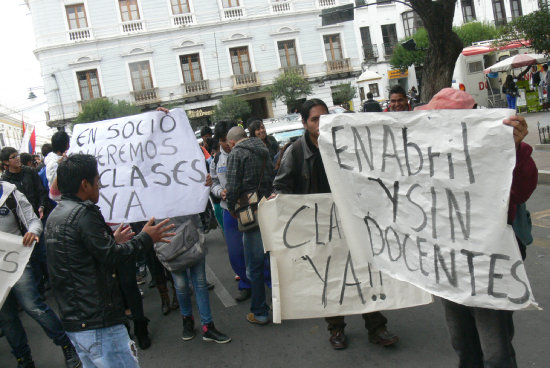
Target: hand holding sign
<point>158,232</point>
<point>29,239</point>
<point>520,128</point>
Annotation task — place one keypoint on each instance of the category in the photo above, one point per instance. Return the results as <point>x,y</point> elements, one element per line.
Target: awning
<point>368,75</point>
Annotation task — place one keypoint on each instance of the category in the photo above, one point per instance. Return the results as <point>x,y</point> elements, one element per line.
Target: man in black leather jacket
<point>82,258</point>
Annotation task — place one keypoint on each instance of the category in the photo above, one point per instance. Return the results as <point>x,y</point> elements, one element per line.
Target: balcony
<point>133,26</point>
<point>298,69</point>
<point>326,3</point>
<point>236,12</point>
<point>182,20</point>
<point>246,80</point>
<point>370,52</point>
<point>145,96</point>
<point>281,6</point>
<point>80,34</point>
<point>200,87</point>
<point>338,66</point>
<point>388,49</point>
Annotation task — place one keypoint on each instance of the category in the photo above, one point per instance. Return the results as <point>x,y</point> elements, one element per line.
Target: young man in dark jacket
<point>302,172</point>
<point>249,169</point>
<point>370,105</point>
<point>82,257</point>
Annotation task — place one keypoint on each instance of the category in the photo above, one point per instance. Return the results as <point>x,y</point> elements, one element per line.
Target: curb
<point>544,177</point>
<point>542,147</point>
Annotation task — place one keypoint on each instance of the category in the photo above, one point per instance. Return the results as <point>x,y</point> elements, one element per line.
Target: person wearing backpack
<point>18,217</point>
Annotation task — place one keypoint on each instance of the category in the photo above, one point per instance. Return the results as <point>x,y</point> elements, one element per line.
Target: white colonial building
<point>190,52</point>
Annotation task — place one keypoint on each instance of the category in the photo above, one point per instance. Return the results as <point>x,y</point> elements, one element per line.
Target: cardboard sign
<point>426,197</point>
<point>13,259</point>
<point>149,165</point>
<point>313,273</point>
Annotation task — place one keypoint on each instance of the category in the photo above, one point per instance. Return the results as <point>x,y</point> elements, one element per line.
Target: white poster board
<point>427,196</point>
<point>13,259</point>
<point>149,165</point>
<point>312,271</point>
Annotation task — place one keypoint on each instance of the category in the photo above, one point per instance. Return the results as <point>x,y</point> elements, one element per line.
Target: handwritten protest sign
<point>312,271</point>
<point>149,165</point>
<point>13,259</point>
<point>426,198</point>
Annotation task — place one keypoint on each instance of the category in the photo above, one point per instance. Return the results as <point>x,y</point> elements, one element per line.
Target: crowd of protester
<point>91,265</point>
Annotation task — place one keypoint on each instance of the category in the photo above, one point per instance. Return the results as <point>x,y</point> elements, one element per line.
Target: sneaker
<point>243,295</point>
<point>140,280</point>
<point>188,328</point>
<point>71,357</point>
<point>209,333</point>
<point>210,285</point>
<point>383,337</point>
<point>237,278</point>
<point>258,320</point>
<point>25,361</point>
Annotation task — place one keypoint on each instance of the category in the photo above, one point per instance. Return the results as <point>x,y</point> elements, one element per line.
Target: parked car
<point>286,129</point>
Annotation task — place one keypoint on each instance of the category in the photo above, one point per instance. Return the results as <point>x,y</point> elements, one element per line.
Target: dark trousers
<point>373,321</point>
<point>481,337</point>
<point>126,272</point>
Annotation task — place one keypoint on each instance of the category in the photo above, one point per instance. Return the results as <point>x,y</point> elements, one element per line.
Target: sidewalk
<point>541,153</point>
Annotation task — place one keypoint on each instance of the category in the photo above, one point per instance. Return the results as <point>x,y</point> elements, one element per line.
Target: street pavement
<point>304,343</point>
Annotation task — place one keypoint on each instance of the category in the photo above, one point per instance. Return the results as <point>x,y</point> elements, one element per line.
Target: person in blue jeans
<point>249,170</point>
<point>511,90</point>
<point>196,274</point>
<point>17,217</point>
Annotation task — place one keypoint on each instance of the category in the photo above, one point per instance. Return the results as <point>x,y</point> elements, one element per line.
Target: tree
<point>343,93</point>
<point>231,108</point>
<point>533,27</point>
<point>468,33</point>
<point>103,109</point>
<point>290,87</point>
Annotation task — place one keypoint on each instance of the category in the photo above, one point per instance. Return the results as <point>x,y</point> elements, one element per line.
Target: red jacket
<point>524,179</point>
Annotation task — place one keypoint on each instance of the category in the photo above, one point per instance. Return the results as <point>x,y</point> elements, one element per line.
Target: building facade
<point>188,52</point>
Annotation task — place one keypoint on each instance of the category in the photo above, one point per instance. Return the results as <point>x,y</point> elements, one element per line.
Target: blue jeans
<point>511,101</point>
<point>26,292</point>
<point>481,337</point>
<point>255,261</point>
<point>198,278</point>
<point>105,347</point>
<point>235,250</point>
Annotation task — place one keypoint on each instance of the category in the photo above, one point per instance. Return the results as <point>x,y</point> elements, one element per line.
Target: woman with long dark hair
<point>256,128</point>
<point>511,90</point>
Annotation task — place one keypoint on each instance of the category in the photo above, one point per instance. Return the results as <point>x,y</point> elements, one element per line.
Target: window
<point>191,68</point>
<point>499,12</point>
<point>88,83</point>
<point>230,3</point>
<point>373,88</point>
<point>369,50</point>
<point>128,10</point>
<point>141,76</point>
<point>475,67</point>
<point>468,11</point>
<point>515,8</point>
<point>180,6</point>
<point>411,23</point>
<point>240,60</point>
<point>287,53</point>
<point>76,16</point>
<point>333,48</point>
<point>389,36</point>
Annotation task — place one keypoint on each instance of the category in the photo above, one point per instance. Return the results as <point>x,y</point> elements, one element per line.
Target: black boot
<point>25,361</point>
<point>71,357</point>
<point>141,333</point>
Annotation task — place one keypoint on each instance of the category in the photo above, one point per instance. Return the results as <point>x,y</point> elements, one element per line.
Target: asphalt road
<point>304,343</point>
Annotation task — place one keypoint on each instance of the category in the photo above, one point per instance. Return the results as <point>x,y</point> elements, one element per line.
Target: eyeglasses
<point>14,157</point>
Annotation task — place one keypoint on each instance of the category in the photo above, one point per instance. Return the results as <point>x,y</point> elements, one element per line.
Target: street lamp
<point>32,95</point>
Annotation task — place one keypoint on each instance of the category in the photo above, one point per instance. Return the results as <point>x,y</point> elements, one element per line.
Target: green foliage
<point>343,93</point>
<point>103,109</point>
<point>468,33</point>
<point>534,27</point>
<point>231,108</point>
<point>290,87</point>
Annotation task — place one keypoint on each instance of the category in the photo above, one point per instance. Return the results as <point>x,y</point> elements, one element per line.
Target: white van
<point>468,74</point>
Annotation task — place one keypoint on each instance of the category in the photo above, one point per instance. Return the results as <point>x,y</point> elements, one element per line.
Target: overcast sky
<point>19,69</point>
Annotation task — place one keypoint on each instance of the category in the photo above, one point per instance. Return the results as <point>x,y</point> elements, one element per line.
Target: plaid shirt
<point>244,170</point>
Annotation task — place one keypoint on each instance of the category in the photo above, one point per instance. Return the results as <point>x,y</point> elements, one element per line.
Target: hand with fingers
<point>123,233</point>
<point>29,239</point>
<point>159,232</point>
<point>520,128</point>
